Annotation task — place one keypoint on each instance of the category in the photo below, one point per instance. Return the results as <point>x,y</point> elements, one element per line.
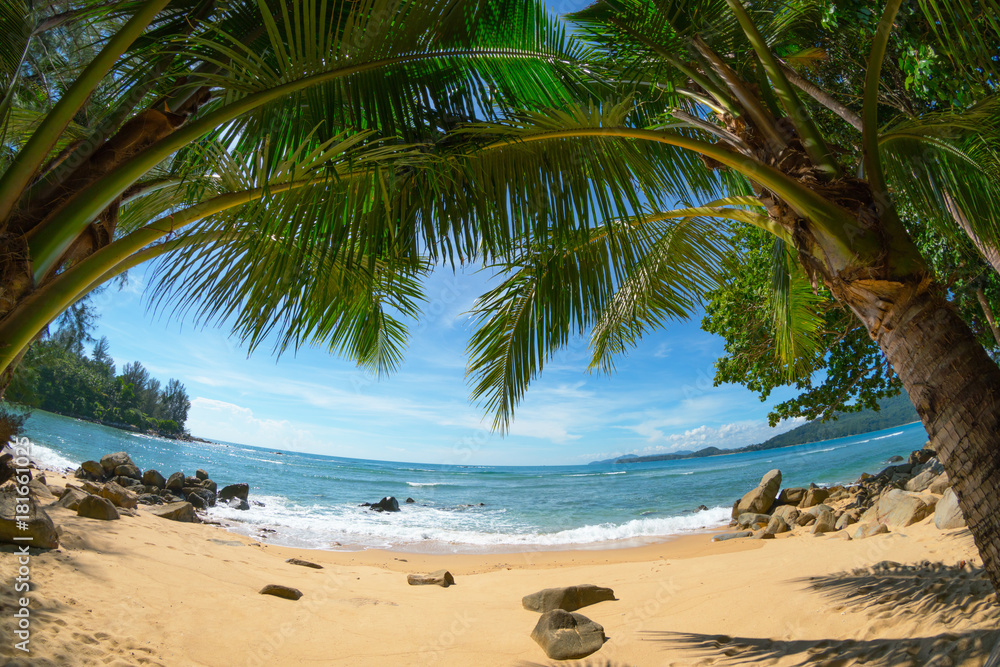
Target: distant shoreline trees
<point>57,375</point>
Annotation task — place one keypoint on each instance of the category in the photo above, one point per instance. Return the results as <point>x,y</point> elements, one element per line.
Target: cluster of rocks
<point>118,472</point>
<point>562,633</point>
<point>898,496</point>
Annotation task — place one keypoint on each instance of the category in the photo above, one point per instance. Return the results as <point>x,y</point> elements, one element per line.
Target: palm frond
<point>794,313</point>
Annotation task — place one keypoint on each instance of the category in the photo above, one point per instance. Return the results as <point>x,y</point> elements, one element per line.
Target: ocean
<point>312,501</point>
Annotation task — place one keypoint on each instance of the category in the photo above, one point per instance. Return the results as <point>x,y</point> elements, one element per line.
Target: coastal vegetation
<point>58,375</point>
<point>297,167</point>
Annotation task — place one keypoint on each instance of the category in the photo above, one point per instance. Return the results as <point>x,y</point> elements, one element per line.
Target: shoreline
<point>147,591</point>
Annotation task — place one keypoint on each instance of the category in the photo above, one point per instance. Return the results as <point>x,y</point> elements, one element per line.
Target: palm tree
<point>269,148</point>
<point>700,79</point>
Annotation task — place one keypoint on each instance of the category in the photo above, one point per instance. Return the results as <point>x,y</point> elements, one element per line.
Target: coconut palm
<point>701,78</point>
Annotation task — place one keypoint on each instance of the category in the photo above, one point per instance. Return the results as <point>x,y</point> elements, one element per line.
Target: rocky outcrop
<point>760,499</point>
<point>567,598</point>
<point>566,635</point>
<point>947,513</point>
<point>96,507</point>
<point>387,504</point>
<point>35,523</point>
<point>279,591</point>
<point>441,578</point>
<point>176,511</point>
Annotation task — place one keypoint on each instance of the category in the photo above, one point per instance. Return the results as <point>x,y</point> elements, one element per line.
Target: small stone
<point>304,563</point>
<point>441,578</point>
<point>280,591</point>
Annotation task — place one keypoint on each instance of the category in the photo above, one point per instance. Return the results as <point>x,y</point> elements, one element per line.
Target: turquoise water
<point>312,500</point>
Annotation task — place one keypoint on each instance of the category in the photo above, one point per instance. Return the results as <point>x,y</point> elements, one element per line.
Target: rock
<point>154,478</point>
<point>211,486</point>
<point>863,530</point>
<point>96,507</point>
<point>568,598</point>
<point>566,635</point>
<point>206,497</point>
<point>762,534</point>
<point>752,521</point>
<point>922,481</point>
<point>177,511</point>
<point>921,456</point>
<point>111,461</point>
<point>128,470</point>
<point>40,528</point>
<point>786,512</point>
<point>119,496</point>
<point>175,482</point>
<point>865,476</point>
<point>899,509</point>
<point>240,491</point>
<point>237,504</point>
<point>387,504</point>
<point>702,508</point>
<point>441,578</point>
<point>814,497</point>
<point>736,511</point>
<point>304,563</point>
<point>825,523</point>
<point>947,513</point>
<point>805,519</point>
<point>894,459</point>
<point>791,496</point>
<point>192,481</point>
<point>71,499</point>
<point>150,499</point>
<point>846,519</point>
<point>79,474</point>
<point>816,509</point>
<point>722,537</point>
<point>940,484</point>
<point>93,468</point>
<point>196,501</point>
<point>128,483</point>
<point>90,487</point>
<point>410,500</point>
<point>776,526</point>
<point>201,474</point>
<point>277,590</point>
<point>760,499</point>
<point>38,488</point>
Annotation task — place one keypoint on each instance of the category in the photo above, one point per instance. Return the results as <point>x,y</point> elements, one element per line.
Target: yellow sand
<point>148,591</point>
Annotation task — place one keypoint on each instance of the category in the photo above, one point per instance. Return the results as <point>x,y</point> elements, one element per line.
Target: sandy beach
<point>147,591</point>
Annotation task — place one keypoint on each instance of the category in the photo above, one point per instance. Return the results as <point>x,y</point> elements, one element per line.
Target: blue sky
<point>661,399</point>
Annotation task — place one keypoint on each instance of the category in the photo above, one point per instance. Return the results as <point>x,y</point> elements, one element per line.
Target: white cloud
<point>219,420</point>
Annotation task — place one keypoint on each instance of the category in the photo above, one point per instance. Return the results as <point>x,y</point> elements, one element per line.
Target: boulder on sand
<point>71,499</point>
<point>760,499</point>
<point>787,512</point>
<point>119,495</point>
<point>442,578</point>
<point>240,491</point>
<point>899,508</point>
<point>39,527</point>
<point>753,521</point>
<point>863,530</point>
<point>96,507</point>
<point>568,598</point>
<point>177,511</point>
<point>566,635</point>
<point>947,513</point>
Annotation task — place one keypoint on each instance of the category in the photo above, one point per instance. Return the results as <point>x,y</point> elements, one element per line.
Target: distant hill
<point>894,411</point>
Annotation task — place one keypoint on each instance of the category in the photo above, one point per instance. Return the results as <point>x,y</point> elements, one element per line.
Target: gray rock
<point>776,526</point>
<point>96,507</point>
<point>814,497</point>
<point>201,474</point>
<point>40,528</point>
<point>154,478</point>
<point>71,499</point>
<point>816,509</point>
<point>722,537</point>
<point>846,519</point>
<point>752,521</point>
<point>899,509</point>
<point>864,530</point>
<point>940,484</point>
<point>441,578</point>
<point>566,635</point>
<point>762,534</point>
<point>206,497</point>
<point>791,496</point>
<point>192,481</point>
<point>196,501</point>
<point>895,459</point>
<point>304,563</point>
<point>280,591</point>
<point>569,598</point>
<point>760,499</point>
<point>128,482</point>
<point>150,499</point>
<point>93,468</point>
<point>825,523</point>
<point>38,489</point>
<point>786,512</point>
<point>805,519</point>
<point>175,482</point>
<point>240,491</point>
<point>387,504</point>
<point>128,470</point>
<point>119,496</point>
<point>211,486</point>
<point>410,500</point>
<point>111,461</point>
<point>237,504</point>
<point>947,513</point>
<point>176,511</point>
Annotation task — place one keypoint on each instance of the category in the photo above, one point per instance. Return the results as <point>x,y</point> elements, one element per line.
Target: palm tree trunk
<point>955,387</point>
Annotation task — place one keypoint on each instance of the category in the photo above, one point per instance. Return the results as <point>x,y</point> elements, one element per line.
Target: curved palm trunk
<point>955,387</point>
